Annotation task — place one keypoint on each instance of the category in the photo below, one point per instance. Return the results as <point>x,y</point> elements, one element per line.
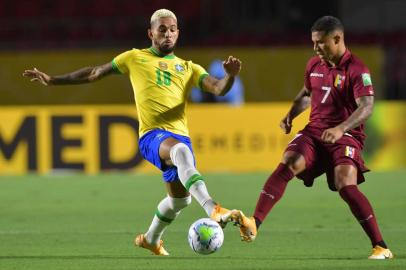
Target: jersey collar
<point>157,53</point>
<point>343,61</point>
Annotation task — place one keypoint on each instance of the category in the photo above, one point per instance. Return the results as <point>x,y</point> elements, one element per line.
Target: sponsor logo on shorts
<point>159,136</point>
<point>296,136</point>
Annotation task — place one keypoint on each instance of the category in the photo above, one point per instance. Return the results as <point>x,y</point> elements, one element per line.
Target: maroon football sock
<point>272,191</point>
<point>362,210</point>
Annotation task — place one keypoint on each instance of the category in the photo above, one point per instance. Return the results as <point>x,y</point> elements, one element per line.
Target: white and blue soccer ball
<point>205,236</point>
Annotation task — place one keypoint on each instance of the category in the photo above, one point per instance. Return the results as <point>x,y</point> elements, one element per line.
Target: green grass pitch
<point>88,222</point>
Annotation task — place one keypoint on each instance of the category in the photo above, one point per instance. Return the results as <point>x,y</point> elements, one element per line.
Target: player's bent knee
<point>180,147</point>
<point>345,175</point>
<point>178,204</point>
<point>295,162</point>
<point>344,182</point>
<point>180,150</point>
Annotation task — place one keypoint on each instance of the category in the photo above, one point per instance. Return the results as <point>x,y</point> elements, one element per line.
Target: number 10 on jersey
<point>163,77</point>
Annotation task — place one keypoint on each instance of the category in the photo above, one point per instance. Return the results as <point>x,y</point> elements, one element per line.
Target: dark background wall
<point>43,25</point>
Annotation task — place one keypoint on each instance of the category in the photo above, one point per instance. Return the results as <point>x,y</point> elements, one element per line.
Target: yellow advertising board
<point>95,139</point>
<point>240,139</point>
<point>386,142</point>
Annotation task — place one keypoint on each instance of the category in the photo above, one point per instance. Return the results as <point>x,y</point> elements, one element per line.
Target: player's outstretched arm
<point>232,66</point>
<point>83,75</point>
<point>359,116</point>
<point>300,104</point>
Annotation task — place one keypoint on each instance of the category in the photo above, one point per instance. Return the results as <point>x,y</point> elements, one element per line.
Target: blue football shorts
<point>149,147</point>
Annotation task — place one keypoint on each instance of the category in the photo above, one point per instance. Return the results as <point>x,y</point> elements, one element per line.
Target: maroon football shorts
<point>322,157</point>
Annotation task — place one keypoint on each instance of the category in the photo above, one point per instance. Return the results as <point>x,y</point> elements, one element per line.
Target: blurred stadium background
<point>92,129</point>
<point>271,37</point>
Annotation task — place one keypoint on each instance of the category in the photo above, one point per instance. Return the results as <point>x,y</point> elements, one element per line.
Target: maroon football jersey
<point>334,91</point>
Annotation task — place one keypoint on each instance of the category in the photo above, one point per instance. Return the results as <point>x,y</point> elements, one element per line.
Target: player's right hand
<point>286,124</point>
<point>232,66</point>
<point>37,75</point>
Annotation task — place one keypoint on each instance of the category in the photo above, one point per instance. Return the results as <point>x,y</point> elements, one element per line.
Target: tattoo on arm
<point>83,75</point>
<point>361,114</point>
<point>300,103</point>
<point>218,87</point>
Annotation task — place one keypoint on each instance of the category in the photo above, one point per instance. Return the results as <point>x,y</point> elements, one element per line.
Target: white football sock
<point>182,158</point>
<point>168,209</point>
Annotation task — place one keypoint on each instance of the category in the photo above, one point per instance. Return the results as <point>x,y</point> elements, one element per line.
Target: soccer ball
<point>205,236</point>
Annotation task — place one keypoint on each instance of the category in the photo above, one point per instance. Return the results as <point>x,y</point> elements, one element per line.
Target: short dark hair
<point>327,24</point>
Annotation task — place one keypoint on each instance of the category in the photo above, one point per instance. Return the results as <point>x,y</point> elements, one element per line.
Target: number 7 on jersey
<point>328,90</point>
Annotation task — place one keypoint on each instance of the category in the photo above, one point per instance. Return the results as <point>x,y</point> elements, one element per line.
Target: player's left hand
<point>332,135</point>
<point>232,66</point>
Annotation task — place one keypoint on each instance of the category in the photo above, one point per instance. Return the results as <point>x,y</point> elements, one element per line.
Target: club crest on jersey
<point>179,68</point>
<point>349,151</point>
<point>339,81</point>
<point>163,65</point>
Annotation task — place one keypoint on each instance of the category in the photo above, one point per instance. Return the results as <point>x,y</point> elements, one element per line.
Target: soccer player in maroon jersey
<point>339,90</point>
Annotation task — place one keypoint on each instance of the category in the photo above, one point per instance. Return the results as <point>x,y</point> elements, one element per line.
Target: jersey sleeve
<point>199,73</point>
<point>309,68</point>
<point>362,83</point>
<point>121,62</point>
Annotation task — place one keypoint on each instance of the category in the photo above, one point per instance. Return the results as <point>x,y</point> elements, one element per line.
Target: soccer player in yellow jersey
<point>161,83</point>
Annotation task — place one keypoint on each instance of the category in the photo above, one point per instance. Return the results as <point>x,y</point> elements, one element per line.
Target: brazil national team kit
<point>161,87</point>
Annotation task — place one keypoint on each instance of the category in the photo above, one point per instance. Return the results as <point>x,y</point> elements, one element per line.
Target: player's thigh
<point>345,175</point>
<point>165,149</point>
<point>176,189</point>
<point>295,161</point>
<point>301,153</point>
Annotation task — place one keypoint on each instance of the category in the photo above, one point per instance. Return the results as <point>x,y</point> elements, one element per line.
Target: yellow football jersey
<point>161,87</point>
